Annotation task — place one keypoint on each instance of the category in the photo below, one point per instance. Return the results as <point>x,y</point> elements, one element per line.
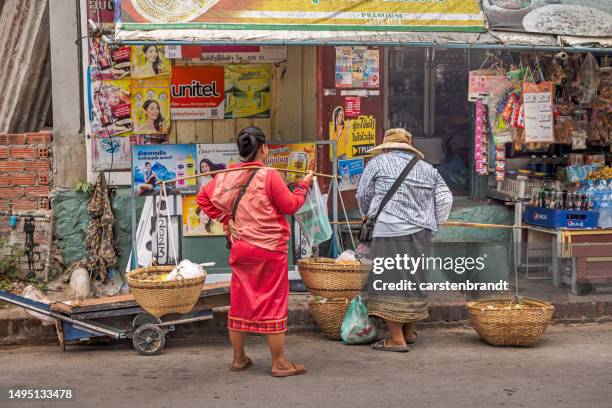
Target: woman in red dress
<point>258,233</point>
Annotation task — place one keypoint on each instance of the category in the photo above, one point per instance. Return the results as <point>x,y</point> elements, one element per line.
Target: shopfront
<point>375,67</point>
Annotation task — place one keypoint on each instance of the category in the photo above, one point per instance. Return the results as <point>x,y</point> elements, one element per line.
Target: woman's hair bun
<point>249,140</point>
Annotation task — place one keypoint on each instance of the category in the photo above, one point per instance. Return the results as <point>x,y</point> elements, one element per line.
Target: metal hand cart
<point>120,317</point>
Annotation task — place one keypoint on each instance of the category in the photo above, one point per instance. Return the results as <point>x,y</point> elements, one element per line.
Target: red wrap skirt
<point>259,290</point>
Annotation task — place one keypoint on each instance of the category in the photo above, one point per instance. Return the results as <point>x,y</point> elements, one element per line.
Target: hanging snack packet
<point>588,79</point>
<point>579,138</point>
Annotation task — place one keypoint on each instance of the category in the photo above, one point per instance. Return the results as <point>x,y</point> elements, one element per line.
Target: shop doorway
<point>427,95</point>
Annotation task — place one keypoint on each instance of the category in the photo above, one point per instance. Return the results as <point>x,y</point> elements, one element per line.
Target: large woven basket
<point>329,314</point>
<point>323,277</point>
<point>505,322</point>
<point>161,298</point>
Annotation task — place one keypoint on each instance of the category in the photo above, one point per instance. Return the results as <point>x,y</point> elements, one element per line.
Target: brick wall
<point>41,252</point>
<point>25,171</point>
<point>25,185</point>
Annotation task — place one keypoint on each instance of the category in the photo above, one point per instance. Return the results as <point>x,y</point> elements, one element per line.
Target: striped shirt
<point>423,199</point>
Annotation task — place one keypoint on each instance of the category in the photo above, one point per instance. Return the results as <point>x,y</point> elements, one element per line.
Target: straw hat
<point>396,139</point>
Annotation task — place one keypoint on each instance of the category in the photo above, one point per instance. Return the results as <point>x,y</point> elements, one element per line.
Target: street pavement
<point>571,367</point>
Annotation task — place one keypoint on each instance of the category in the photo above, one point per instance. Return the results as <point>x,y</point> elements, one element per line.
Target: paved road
<point>571,367</point>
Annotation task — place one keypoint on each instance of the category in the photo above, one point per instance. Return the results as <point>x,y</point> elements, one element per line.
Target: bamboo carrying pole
<point>240,168</point>
<point>457,224</point>
<point>446,224</point>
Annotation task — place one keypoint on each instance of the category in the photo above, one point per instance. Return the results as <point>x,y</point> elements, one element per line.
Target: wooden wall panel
<point>289,108</point>
<point>274,102</point>
<point>309,94</point>
<point>264,124</point>
<point>204,131</point>
<point>172,133</point>
<point>185,131</point>
<point>224,130</point>
<point>242,123</point>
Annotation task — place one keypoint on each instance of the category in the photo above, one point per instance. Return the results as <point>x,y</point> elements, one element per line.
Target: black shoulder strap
<point>396,185</point>
<point>241,193</point>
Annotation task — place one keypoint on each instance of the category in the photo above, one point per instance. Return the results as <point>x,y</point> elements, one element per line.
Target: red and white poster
<point>353,106</point>
<point>197,92</point>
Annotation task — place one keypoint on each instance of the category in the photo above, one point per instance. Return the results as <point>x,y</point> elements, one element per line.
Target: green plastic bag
<point>357,327</point>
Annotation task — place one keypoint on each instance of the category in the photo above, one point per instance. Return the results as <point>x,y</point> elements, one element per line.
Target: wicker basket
<point>506,322</point>
<point>329,314</point>
<point>323,277</point>
<point>161,298</point>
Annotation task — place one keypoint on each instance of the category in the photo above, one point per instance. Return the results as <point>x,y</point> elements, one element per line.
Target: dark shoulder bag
<point>367,227</point>
<point>237,201</point>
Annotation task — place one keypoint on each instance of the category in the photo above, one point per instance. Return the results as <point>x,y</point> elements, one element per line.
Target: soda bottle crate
<point>553,218</point>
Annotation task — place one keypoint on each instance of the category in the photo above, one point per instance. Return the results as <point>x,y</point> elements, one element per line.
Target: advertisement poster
<point>569,17</point>
<point>350,172</point>
<point>300,156</point>
<point>197,92</point>
<point>102,12</point>
<point>357,67</point>
<point>151,105</point>
<point>106,62</point>
<point>153,163</point>
<point>111,153</point>
<point>372,69</point>
<point>353,106</point>
<point>195,221</point>
<point>239,54</point>
<point>111,108</point>
<point>150,61</point>
<point>358,63</point>
<point>362,135</point>
<point>350,15</point>
<point>538,111</point>
<point>344,67</point>
<point>212,157</point>
<point>247,91</point>
<point>354,135</point>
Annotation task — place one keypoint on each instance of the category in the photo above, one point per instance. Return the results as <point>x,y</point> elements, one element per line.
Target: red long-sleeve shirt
<point>260,216</point>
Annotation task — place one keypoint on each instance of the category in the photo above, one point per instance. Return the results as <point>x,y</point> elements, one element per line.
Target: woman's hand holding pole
<point>308,178</point>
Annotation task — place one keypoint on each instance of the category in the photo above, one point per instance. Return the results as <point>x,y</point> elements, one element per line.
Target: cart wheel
<point>149,339</point>
<point>144,318</point>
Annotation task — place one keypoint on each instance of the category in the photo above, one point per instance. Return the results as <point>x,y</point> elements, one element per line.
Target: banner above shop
<point>303,15</point>
<point>591,18</point>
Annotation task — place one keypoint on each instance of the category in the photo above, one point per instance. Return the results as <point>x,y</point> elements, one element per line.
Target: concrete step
<point>16,328</point>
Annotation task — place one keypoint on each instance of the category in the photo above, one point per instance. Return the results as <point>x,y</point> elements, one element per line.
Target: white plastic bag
<point>31,293</point>
<point>348,255</point>
<point>313,218</point>
<point>186,269</point>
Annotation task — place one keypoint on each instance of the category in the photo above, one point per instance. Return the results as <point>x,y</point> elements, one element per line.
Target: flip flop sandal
<point>244,367</point>
<point>296,370</point>
<point>412,340</point>
<point>382,346</point>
